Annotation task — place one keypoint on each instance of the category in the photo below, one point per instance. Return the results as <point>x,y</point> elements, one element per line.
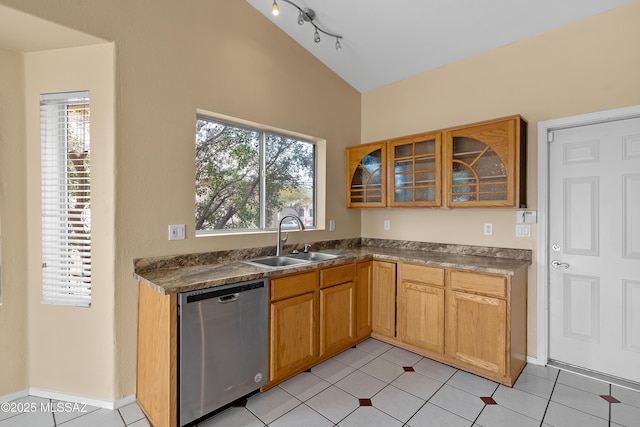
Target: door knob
<point>557,264</point>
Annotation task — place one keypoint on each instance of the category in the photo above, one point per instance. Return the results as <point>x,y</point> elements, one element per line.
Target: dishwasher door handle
<point>228,298</point>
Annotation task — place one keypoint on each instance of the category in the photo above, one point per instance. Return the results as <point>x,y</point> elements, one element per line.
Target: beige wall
<point>71,349</point>
<point>13,228</point>
<point>589,66</point>
<point>173,57</point>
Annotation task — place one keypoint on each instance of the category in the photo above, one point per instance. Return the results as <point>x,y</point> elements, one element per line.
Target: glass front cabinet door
<point>477,165</point>
<point>414,171</point>
<point>485,164</point>
<point>366,175</point>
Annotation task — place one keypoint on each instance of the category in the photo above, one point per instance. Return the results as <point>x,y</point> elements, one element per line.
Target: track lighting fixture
<point>308,15</point>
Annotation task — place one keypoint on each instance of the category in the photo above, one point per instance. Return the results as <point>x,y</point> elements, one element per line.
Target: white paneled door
<point>594,247</point>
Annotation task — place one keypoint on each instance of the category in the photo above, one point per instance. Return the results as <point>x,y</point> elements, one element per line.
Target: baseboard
<point>535,361</point>
<point>14,396</point>
<point>105,404</point>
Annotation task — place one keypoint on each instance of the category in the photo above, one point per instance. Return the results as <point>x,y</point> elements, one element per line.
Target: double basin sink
<point>292,259</point>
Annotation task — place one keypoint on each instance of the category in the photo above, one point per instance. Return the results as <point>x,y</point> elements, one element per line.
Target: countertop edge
<point>251,272</point>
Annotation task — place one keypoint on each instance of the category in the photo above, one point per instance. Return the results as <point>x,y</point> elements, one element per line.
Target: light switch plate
<point>176,232</point>
<point>526,217</point>
<point>387,224</point>
<point>332,225</point>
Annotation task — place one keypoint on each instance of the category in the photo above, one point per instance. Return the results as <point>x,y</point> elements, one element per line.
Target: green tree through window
<point>245,177</point>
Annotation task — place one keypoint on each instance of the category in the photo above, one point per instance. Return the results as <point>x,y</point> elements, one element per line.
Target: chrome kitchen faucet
<point>281,241</point>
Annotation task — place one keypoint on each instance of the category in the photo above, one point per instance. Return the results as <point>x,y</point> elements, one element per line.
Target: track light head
<point>308,15</point>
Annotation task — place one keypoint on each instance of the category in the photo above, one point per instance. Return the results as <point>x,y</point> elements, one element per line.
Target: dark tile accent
<point>488,400</point>
<point>365,402</point>
<point>240,403</point>
<point>408,369</point>
<point>609,398</point>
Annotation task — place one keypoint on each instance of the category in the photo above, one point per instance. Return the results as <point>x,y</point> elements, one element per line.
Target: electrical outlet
<point>523,230</point>
<point>332,225</point>
<point>176,232</point>
<point>387,225</point>
<point>488,229</point>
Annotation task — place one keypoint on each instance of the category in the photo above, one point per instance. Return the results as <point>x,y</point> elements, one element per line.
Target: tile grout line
<point>544,415</point>
<point>610,403</point>
<point>302,402</point>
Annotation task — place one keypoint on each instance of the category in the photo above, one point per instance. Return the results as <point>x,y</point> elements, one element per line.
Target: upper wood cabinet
<point>477,165</point>
<point>414,171</point>
<point>485,164</point>
<point>366,175</point>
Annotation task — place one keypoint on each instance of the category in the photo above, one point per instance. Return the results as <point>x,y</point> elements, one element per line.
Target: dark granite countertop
<point>181,273</point>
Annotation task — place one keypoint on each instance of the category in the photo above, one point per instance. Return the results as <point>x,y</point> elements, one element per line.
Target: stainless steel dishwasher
<point>222,341</point>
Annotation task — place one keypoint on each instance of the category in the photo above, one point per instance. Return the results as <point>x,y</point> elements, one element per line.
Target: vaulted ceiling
<point>387,41</point>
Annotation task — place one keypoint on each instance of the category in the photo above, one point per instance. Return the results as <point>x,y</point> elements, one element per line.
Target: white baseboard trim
<point>14,396</point>
<point>105,404</point>
<point>535,361</point>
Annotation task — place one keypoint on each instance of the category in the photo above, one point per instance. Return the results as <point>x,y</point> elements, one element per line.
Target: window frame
<point>318,150</point>
<point>60,286</point>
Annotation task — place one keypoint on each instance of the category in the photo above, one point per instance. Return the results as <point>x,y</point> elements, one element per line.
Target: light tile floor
<point>376,384</point>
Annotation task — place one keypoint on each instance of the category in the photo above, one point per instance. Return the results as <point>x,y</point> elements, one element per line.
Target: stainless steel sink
<point>277,261</point>
<point>313,256</point>
<point>292,259</point>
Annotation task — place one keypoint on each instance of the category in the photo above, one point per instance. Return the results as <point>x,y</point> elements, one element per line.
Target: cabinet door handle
<point>557,264</point>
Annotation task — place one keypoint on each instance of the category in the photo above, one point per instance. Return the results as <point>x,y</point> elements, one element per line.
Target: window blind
<point>66,198</point>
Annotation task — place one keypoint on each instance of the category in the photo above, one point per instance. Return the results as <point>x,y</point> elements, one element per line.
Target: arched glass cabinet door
<point>478,173</point>
<point>366,170</point>
<point>485,164</point>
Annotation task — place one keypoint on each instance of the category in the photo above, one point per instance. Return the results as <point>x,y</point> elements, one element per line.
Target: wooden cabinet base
<point>517,365</point>
<point>485,317</point>
<point>156,376</point>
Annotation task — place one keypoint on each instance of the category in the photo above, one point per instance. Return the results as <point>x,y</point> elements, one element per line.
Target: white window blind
<point>66,198</point>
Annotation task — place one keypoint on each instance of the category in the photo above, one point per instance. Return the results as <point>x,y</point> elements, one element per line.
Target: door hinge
<point>549,136</point>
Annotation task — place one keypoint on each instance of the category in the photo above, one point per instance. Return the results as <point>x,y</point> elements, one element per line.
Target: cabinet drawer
<point>422,274</point>
<point>336,275</point>
<point>481,283</point>
<point>290,286</point>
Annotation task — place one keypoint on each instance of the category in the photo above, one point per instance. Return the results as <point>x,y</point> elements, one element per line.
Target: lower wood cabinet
<point>478,331</point>
<point>337,309</point>
<point>364,293</point>
<point>383,310</point>
<point>421,306</point>
<point>316,314</point>
<point>293,323</point>
<point>157,369</point>
<point>471,320</point>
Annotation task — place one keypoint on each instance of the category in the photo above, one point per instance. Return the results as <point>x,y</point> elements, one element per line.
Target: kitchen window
<point>66,198</point>
<point>247,177</point>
